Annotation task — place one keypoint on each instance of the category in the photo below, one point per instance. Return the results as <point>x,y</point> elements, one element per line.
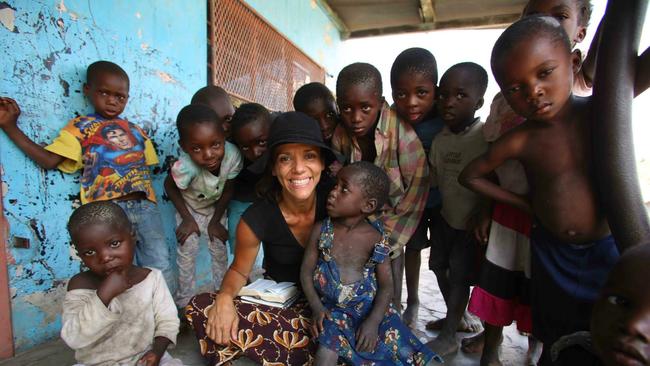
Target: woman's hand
<point>222,325</point>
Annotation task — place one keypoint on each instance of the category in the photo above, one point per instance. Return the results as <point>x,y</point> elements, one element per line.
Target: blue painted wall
<point>45,47</point>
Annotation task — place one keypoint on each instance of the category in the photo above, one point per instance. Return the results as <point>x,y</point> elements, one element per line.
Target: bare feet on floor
<point>490,359</point>
<point>473,344</point>
<point>469,324</point>
<point>410,316</point>
<point>443,346</point>
<point>535,348</point>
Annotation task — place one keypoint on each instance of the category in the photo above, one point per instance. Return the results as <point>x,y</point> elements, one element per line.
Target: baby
<point>115,312</point>
<point>346,276</point>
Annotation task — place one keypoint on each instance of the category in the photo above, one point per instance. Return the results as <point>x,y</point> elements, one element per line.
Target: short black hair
<point>414,60</point>
<point>310,92</point>
<point>359,73</point>
<point>528,29</point>
<point>98,212</point>
<point>372,180</point>
<point>108,67</point>
<point>208,93</point>
<point>478,73</point>
<point>247,113</point>
<point>194,114</point>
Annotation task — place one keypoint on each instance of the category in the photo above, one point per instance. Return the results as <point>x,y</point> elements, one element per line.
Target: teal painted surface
<point>45,47</point>
<point>305,24</point>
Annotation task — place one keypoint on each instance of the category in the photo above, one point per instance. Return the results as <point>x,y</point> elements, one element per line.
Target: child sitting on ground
<point>115,313</point>
<point>316,101</point>
<point>113,154</point>
<point>346,277</point>
<point>217,99</point>
<point>413,79</point>
<point>250,131</point>
<point>371,131</point>
<point>453,254</point>
<point>200,185</point>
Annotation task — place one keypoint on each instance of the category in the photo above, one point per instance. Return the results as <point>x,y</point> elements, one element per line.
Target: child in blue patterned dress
<point>348,281</point>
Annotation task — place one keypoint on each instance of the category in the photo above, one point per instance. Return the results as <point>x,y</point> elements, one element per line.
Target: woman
<point>292,200</point>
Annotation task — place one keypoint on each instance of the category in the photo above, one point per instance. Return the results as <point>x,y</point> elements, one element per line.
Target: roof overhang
<point>366,18</point>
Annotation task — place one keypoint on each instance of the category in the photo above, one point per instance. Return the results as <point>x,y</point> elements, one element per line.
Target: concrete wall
<point>45,46</point>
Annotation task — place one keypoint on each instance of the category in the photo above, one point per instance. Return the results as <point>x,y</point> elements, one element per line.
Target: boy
<point>217,99</point>
<point>200,185</point>
<point>113,154</point>
<point>572,249</point>
<point>372,131</point>
<point>413,79</point>
<point>316,101</point>
<point>453,255</point>
<point>114,312</point>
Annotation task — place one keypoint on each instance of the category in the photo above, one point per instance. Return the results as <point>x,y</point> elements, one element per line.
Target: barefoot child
<point>413,79</point>
<point>371,131</point>
<point>453,254</point>
<point>200,185</point>
<point>217,99</point>
<point>346,277</point>
<point>113,155</point>
<point>115,313</point>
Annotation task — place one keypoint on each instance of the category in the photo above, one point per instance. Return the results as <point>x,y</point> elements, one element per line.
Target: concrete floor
<point>513,350</point>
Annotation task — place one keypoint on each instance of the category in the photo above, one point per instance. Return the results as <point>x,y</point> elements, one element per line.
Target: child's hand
<point>9,112</point>
<point>479,224</point>
<point>114,284</point>
<point>217,231</point>
<point>149,359</point>
<point>185,229</point>
<point>367,336</point>
<point>317,318</point>
<point>335,167</point>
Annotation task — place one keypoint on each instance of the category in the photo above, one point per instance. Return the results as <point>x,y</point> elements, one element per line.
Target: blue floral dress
<point>350,305</point>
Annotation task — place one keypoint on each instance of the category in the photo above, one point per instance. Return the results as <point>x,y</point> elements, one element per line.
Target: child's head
<point>217,99</point>
<point>250,129</point>
<point>103,237</point>
<point>316,101</point>
<point>361,188</point>
<point>460,94</point>
<point>620,322</point>
<point>359,96</point>
<point>413,79</point>
<point>201,136</point>
<point>573,15</point>
<point>107,88</point>
<point>533,64</point>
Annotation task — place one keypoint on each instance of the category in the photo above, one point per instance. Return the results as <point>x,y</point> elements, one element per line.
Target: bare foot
<point>469,324</point>
<point>490,360</point>
<point>443,346</point>
<point>473,344</point>
<point>535,348</point>
<point>410,316</point>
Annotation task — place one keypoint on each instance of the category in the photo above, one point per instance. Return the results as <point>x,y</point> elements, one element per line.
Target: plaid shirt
<point>401,156</point>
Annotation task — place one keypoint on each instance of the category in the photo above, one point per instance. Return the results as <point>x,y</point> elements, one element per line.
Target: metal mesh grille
<point>254,62</point>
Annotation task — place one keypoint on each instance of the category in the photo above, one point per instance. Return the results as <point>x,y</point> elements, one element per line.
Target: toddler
<point>346,277</point>
<point>115,313</point>
<point>113,154</point>
<point>200,185</point>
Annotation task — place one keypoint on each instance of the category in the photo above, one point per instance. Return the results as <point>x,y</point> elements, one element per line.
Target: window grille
<point>254,62</point>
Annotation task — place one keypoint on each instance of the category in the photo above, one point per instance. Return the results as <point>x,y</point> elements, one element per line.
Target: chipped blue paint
<point>44,57</point>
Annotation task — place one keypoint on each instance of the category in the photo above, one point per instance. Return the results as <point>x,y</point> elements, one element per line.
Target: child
<point>413,79</point>
<point>501,294</point>
<point>113,154</point>
<point>620,323</point>
<point>453,255</point>
<point>316,101</point>
<point>347,278</point>
<point>250,131</point>
<point>372,131</point>
<point>217,99</point>
<point>200,185</point>
<point>572,249</point>
<point>115,313</point>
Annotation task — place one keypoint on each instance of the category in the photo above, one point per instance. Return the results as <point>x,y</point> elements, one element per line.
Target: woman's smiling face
<point>298,168</point>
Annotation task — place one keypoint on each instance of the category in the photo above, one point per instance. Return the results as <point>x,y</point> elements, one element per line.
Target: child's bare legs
<point>445,343</point>
<point>412,261</point>
<point>397,266</point>
<point>493,338</point>
<point>325,357</point>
